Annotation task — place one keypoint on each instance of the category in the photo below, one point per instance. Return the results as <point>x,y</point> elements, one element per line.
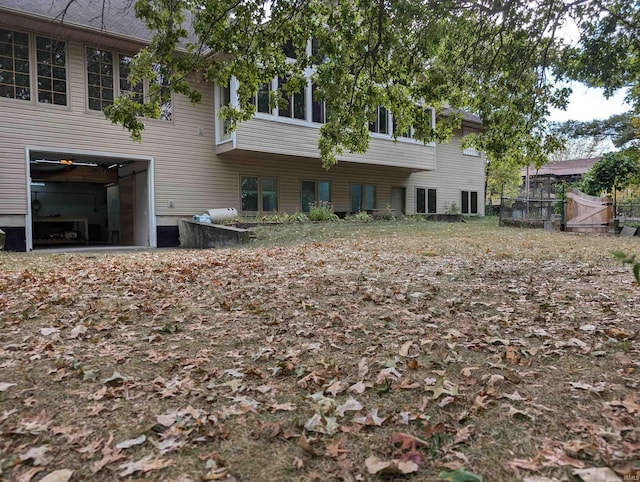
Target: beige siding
<point>271,136</point>
<point>291,172</point>
<point>182,150</point>
<point>455,172</point>
<point>187,171</point>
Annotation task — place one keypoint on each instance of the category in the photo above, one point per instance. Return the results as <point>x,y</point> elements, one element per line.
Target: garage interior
<point>88,201</point>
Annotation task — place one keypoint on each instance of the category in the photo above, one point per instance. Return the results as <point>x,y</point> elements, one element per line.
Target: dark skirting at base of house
<point>14,238</point>
<point>168,236</point>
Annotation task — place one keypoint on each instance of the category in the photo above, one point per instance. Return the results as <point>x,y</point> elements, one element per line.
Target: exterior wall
<point>182,149</point>
<point>188,176</point>
<point>280,137</point>
<point>455,172</point>
<point>291,172</point>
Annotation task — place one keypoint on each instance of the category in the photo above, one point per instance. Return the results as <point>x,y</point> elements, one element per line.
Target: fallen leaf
<point>460,475</point>
<point>350,405</point>
<point>404,350</point>
<point>38,455</point>
<point>145,464</point>
<point>4,386</point>
<point>600,474</point>
<point>62,475</point>
<point>371,419</point>
<point>125,444</point>
<point>392,467</point>
<point>305,444</point>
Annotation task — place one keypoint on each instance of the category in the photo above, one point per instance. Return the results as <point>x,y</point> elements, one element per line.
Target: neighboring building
<point>67,174</point>
<point>541,183</point>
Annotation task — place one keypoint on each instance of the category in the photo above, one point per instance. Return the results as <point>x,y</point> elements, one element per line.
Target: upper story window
<point>470,151</point>
<point>51,57</point>
<point>381,123</point>
<point>125,85</point>
<point>223,98</point>
<point>318,107</point>
<point>107,78</point>
<point>296,107</point>
<point>16,59</point>
<point>263,99</point>
<point>14,65</point>
<point>100,71</point>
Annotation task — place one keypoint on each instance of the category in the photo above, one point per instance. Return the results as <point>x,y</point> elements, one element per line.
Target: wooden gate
<point>588,214</point>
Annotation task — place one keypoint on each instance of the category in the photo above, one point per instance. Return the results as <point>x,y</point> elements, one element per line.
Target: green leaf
<point>460,475</point>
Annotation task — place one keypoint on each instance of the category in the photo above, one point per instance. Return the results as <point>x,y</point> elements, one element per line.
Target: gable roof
<point>562,168</point>
<point>117,19</point>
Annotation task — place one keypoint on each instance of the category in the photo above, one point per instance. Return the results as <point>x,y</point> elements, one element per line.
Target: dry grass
<point>508,352</point>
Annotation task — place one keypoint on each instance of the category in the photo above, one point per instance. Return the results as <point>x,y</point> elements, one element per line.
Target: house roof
<point>118,18</point>
<point>562,168</point>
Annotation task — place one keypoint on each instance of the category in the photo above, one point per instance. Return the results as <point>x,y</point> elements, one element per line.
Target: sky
<point>587,104</point>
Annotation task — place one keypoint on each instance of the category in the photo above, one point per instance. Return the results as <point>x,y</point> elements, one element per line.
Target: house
<point>67,175</point>
<point>541,183</point>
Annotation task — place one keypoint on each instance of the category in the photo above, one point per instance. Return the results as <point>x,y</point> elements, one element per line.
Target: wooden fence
<point>587,214</point>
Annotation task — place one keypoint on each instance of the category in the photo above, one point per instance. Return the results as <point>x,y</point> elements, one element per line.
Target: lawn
<point>325,352</point>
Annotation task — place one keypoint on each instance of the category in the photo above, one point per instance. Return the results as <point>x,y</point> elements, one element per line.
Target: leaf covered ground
<point>386,351</point>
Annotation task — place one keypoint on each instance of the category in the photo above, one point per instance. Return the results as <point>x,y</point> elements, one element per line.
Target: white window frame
<point>116,55</point>
<point>470,151</point>
<point>33,71</point>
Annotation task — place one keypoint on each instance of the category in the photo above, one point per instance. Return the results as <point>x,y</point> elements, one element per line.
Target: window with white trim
<point>381,123</point>
<point>107,78</point>
<point>223,98</point>
<point>314,192</point>
<point>258,194</point>
<point>469,202</point>
<point>425,201</point>
<point>15,82</point>
<point>470,151</point>
<point>51,60</point>
<point>318,106</point>
<point>16,60</point>
<point>296,106</point>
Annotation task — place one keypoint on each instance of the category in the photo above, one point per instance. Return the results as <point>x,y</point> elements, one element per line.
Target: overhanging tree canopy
<point>493,58</point>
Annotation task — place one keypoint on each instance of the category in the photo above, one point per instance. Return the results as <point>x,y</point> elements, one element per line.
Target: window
<point>224,98</point>
<point>259,194</point>
<point>125,85</point>
<point>166,110</point>
<point>381,124</point>
<point>363,197</point>
<point>425,201</point>
<point>296,107</point>
<point>51,60</point>
<point>469,202</point>
<point>318,107</point>
<point>470,151</point>
<point>313,192</point>
<point>107,77</point>
<point>99,78</point>
<point>14,65</point>
<point>408,133</point>
<point>262,99</point>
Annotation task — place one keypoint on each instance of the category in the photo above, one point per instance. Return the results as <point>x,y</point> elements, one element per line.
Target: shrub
<point>360,216</point>
<point>321,211</point>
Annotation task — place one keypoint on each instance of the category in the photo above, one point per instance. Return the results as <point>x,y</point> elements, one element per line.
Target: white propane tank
<point>222,214</point>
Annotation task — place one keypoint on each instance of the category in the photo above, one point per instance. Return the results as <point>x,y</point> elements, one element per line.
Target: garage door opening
<point>87,200</point>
